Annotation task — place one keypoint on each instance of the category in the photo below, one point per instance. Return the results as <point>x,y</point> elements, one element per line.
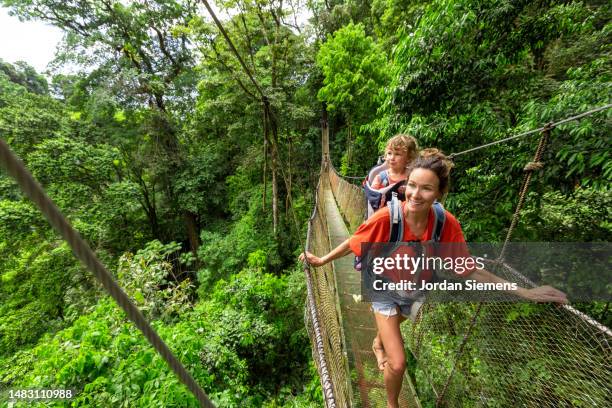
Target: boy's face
<point>396,158</point>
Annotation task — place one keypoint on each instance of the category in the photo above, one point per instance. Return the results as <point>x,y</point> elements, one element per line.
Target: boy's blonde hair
<point>404,142</point>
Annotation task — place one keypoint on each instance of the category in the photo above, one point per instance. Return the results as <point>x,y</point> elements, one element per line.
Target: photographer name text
<point>407,285</point>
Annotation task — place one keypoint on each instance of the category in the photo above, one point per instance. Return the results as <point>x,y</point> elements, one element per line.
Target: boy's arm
<point>376,183</point>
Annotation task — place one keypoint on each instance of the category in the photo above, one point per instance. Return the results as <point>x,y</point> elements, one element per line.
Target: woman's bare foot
<point>379,353</point>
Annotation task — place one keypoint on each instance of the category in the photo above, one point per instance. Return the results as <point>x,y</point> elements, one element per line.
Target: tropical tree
<point>355,70</point>
<point>138,54</point>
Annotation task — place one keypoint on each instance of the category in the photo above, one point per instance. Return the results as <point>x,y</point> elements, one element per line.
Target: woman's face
<point>397,159</point>
<point>422,189</point>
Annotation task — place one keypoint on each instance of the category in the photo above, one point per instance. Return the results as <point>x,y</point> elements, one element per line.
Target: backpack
<point>396,219</point>
<point>375,198</point>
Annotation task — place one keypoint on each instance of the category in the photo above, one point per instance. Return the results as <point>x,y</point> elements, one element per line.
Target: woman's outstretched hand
<point>311,259</point>
<point>545,294</point>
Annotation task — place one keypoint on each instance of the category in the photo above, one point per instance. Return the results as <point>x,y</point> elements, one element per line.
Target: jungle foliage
<point>157,151</point>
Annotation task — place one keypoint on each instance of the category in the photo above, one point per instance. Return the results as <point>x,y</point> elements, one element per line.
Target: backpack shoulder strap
<point>439,218</point>
<point>384,178</point>
<point>396,219</point>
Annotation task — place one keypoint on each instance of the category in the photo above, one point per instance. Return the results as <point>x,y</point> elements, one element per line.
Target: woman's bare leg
<point>391,337</point>
<point>379,352</point>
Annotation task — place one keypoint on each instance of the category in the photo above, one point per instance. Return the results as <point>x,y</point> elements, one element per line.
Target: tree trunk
<point>265,175</point>
<point>192,231</point>
<point>154,225</point>
<point>148,205</point>
<point>349,146</point>
<point>274,196</point>
<point>173,155</point>
<point>287,200</point>
<point>273,126</point>
<point>267,119</point>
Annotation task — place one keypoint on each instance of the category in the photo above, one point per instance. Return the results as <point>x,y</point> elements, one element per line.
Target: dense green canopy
<point>158,152</point>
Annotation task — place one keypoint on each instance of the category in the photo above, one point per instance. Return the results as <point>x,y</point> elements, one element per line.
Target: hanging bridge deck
<point>358,324</point>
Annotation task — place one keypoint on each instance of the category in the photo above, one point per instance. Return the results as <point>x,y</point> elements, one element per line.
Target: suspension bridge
<point>464,354</point>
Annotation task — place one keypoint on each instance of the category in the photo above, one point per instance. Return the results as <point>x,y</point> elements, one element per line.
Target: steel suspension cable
<point>531,132</point>
<point>507,139</point>
<point>17,170</point>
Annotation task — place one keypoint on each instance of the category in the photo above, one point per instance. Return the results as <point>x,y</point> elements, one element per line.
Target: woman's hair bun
<point>433,159</point>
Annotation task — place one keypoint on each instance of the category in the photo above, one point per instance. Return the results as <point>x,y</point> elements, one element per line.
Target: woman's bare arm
<point>338,252</point>
<point>539,294</point>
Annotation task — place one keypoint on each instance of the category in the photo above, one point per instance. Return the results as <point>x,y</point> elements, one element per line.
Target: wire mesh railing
<point>517,354</point>
<point>349,198</point>
<point>322,315</point>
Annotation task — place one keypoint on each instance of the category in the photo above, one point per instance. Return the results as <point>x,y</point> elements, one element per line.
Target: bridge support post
<point>324,140</point>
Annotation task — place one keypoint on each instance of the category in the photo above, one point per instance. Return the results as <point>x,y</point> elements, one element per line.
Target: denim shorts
<point>391,308</point>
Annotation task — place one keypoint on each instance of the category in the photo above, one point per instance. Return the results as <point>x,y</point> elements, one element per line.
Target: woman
<point>427,182</point>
